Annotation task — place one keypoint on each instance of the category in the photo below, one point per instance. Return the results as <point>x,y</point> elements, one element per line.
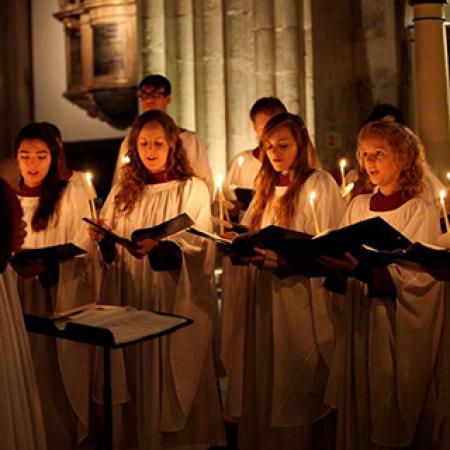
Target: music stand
<point>101,337</point>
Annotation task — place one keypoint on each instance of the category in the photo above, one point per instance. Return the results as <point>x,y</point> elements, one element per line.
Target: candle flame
<point>312,197</point>
<point>448,176</point>
<point>442,194</point>
<point>88,176</point>
<point>343,164</point>
<point>219,181</point>
<point>125,160</point>
<point>240,161</point>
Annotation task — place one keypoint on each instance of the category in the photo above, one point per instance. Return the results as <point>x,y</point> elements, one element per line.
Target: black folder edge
<point>88,334</point>
<point>417,254</point>
<point>50,252</point>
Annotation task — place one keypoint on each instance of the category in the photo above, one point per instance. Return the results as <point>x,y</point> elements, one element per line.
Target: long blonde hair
<point>133,176</point>
<point>409,153</point>
<point>303,166</point>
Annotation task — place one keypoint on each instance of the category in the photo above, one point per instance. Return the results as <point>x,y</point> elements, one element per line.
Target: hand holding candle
<point>442,196</point>
<point>312,198</point>
<point>92,196</point>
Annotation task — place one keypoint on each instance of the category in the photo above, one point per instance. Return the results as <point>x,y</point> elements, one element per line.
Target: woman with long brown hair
<point>53,208</point>
<point>171,380</point>
<point>277,332</point>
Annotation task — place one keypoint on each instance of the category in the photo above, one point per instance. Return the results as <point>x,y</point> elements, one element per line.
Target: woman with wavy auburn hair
<point>277,332</point>
<point>391,316</point>
<point>172,383</point>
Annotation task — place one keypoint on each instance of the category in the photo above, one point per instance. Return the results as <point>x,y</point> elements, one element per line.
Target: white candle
<point>92,195</point>
<point>442,196</point>
<point>240,161</point>
<point>312,198</point>
<point>125,160</point>
<point>342,166</point>
<point>221,202</point>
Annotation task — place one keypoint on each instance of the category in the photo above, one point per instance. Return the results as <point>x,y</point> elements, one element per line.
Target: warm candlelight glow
<point>312,199</point>
<point>240,161</point>
<point>442,195</point>
<point>92,195</point>
<point>342,166</point>
<point>125,160</point>
<point>448,176</point>
<point>219,183</point>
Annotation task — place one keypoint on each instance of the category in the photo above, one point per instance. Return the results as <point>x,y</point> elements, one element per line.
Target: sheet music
<point>126,324</point>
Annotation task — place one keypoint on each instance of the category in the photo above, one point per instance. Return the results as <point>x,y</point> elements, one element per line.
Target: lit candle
<point>442,196</point>
<point>221,202</point>
<point>312,198</point>
<point>240,161</point>
<point>125,160</point>
<point>92,195</point>
<point>342,165</point>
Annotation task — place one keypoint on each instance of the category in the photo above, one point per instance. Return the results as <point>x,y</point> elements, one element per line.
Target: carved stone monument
<point>101,57</point>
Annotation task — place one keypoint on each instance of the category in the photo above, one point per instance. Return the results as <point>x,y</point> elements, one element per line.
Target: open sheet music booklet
<point>126,324</point>
<point>160,231</point>
<point>54,253</point>
<point>374,232</point>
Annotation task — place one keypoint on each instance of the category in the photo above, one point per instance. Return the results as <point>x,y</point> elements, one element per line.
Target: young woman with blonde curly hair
<point>171,381</point>
<point>390,317</point>
<point>277,332</point>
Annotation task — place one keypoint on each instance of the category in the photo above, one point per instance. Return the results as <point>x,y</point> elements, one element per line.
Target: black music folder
<point>421,254</point>
<point>160,231</point>
<point>56,253</point>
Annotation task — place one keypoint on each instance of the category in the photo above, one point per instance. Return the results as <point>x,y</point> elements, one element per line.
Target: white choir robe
<point>63,368</point>
<point>196,153</point>
<point>171,380</point>
<point>241,176</point>
<point>386,349</point>
<point>442,419</point>
<point>21,424</point>
<point>278,338</point>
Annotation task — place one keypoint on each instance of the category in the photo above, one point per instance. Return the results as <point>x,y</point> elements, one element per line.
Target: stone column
<point>286,52</point>
<point>211,82</point>
<point>306,96</point>
<point>240,68</point>
<point>264,47</point>
<point>431,81</point>
<point>185,95</point>
<point>153,36</point>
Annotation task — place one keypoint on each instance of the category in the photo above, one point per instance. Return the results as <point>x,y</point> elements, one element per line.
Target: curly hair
<point>303,166</point>
<point>134,176</point>
<point>409,154</point>
<point>55,182</point>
